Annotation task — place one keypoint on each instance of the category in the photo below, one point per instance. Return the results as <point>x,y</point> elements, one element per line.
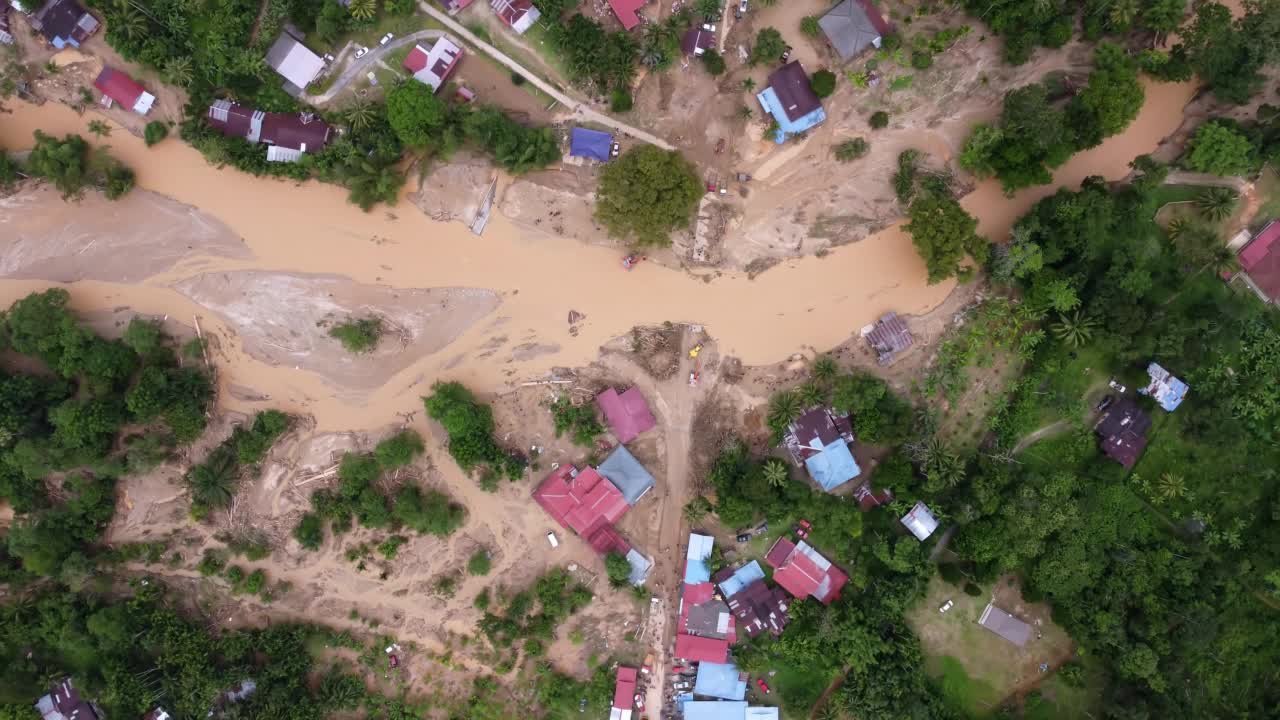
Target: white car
<point>709,27</point>
<point>946,606</point>
<point>1116,386</point>
<point>742,8</point>
<point>360,51</point>
<point>386,39</point>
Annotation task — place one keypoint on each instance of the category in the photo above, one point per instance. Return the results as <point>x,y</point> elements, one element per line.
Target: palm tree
<point>1223,260</point>
<point>824,369</point>
<point>360,114</point>
<point>1171,487</point>
<point>1122,14</point>
<point>178,70</point>
<point>130,22</point>
<point>830,711</point>
<point>1075,330</point>
<point>775,473</point>
<point>99,128</point>
<point>363,9</point>
<point>748,84</point>
<point>1217,203</point>
<point>213,481</point>
<point>809,26</point>
<point>744,112</point>
<point>783,408</point>
<point>1177,228</point>
<point>811,394</point>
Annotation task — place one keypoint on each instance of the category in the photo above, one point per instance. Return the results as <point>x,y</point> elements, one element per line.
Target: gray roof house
<point>627,474</point>
<point>920,521</point>
<point>295,62</point>
<point>1005,625</point>
<point>888,336</point>
<point>853,26</point>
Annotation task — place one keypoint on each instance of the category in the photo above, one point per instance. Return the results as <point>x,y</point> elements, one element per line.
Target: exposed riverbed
<point>309,228</point>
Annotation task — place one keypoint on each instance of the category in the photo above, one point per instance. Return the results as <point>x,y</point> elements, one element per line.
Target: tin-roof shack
<point>63,702</point>
<point>791,101</point>
<point>1123,431</point>
<point>803,571</point>
<point>853,26</point>
<point>626,12</point>
<point>295,62</point>
<point>888,336</point>
<point>1005,625</point>
<point>119,88</point>
<point>288,134</point>
<point>627,413</point>
<point>920,521</point>
<point>432,67</point>
<point>519,15</point>
<point>1167,390</point>
<point>869,499</point>
<point>64,23</point>
<point>697,41</point>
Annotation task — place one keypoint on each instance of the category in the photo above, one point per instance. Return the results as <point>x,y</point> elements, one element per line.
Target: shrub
<point>310,531</point>
<point>1219,149</point>
<point>155,132</point>
<point>879,120</point>
<point>713,62</point>
<point>951,573</point>
<point>358,335</point>
<point>212,563</point>
<point>517,79</point>
<point>479,564</point>
<point>852,149</point>
<point>580,421</point>
<point>617,568</point>
<point>972,590</point>
<point>398,450</point>
<point>620,100</point>
<point>390,547</point>
<point>823,83</point>
<point>809,26</point>
<point>921,59</point>
<point>482,600</point>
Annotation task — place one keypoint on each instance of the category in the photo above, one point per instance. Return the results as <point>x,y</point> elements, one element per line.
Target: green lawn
<point>960,689</point>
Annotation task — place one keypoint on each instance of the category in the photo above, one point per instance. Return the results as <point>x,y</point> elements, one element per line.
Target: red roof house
<point>454,6</point>
<point>626,12</point>
<point>627,413</point>
<point>625,690</point>
<point>803,571</point>
<point>289,135</point>
<point>520,15</point>
<point>124,90</point>
<point>582,501</point>
<point>701,649</point>
<point>1261,261</point>
<point>433,67</point>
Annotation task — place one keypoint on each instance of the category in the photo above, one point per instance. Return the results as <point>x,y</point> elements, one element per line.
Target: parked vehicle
<point>1105,403</point>
<point>763,685</point>
<point>582,705</point>
<point>648,664</point>
<point>742,9</point>
<point>639,700</point>
<point>946,606</point>
<point>386,39</point>
<point>743,177</point>
<point>551,538</point>
<point>709,26</point>
<point>1116,386</point>
<point>616,149</point>
<point>360,51</point>
<point>328,58</point>
<point>786,54</point>
<point>684,686</point>
<point>744,537</point>
<point>764,528</point>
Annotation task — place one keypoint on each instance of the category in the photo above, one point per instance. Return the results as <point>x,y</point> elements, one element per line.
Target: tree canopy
<point>646,194</point>
<point>944,233</point>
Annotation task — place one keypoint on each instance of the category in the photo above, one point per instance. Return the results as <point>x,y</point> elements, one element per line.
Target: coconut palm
<point>360,114</point>
<point>775,473</point>
<point>748,84</point>
<point>824,369</point>
<point>830,711</point>
<point>1177,228</point>
<point>1123,13</point>
<point>783,408</point>
<point>744,112</point>
<point>213,481</point>
<point>811,394</point>
<point>363,9</point>
<point>1217,203</point>
<point>1171,487</point>
<point>1074,330</point>
<point>99,128</point>
<point>1223,260</point>
<point>130,22</point>
<point>178,71</point>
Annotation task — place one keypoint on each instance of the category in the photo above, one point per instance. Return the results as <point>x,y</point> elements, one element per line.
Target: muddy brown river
<point>310,228</point>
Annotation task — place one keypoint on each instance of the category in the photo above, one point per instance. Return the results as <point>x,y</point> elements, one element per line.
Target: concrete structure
<point>1167,390</point>
<point>434,66</point>
<point>852,27</point>
<point>804,572</point>
<point>1005,625</point>
<point>920,521</point>
<point>791,101</point>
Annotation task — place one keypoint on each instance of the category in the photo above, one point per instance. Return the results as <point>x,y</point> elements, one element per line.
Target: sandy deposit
<point>454,190</point>
<point>284,319</point>
<point>127,241</point>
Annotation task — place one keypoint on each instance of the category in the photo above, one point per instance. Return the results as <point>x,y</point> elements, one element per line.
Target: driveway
<point>357,68</point>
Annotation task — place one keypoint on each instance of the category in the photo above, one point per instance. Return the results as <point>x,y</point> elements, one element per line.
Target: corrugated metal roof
<point>696,569</point>
<point>294,61</point>
<point>627,474</point>
<point>889,336</point>
<point>1167,390</point>
<point>715,710</point>
<point>833,466</point>
<point>1005,625</point>
<point>741,578</point>
<point>852,27</point>
<point>720,680</point>
<point>701,649</point>
<point>920,521</point>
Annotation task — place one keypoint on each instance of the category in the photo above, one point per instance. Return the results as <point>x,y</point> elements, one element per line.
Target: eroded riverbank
<point>309,228</point>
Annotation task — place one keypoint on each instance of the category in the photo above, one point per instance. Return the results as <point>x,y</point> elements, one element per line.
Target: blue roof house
<point>715,710</point>
<point>741,578</point>
<point>833,466</point>
<point>591,144</point>
<point>627,474</point>
<point>1167,390</point>
<point>791,101</point>
<point>720,680</point>
<point>696,569</point>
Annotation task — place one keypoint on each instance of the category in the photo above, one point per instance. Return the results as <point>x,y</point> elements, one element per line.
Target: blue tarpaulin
<point>741,578</point>
<point>590,144</point>
<point>719,680</point>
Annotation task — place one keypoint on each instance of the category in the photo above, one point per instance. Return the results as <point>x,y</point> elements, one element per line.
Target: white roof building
<point>920,521</point>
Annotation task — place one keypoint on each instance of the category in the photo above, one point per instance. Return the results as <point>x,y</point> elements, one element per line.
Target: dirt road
<point>371,58</point>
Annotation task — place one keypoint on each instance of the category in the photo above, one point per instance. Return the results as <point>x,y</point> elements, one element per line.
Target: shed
<point>888,336</point>
<point>1167,390</point>
<point>627,413</point>
<point>593,145</point>
<point>627,474</point>
<point>720,680</point>
<point>791,101</point>
<point>640,567</point>
<point>122,89</point>
<point>853,26</point>
<point>1005,625</point>
<point>920,521</point>
<point>295,62</point>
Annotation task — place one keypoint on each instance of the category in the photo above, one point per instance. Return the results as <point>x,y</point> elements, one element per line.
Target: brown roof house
<point>287,135</point>
<point>1123,430</point>
<point>697,41</point>
<point>819,439</point>
<point>757,606</point>
<point>64,23</point>
<point>64,703</point>
<point>795,107</point>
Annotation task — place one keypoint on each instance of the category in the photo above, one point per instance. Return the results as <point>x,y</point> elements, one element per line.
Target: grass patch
<point>1268,189</point>
<point>795,688</point>
<point>961,690</point>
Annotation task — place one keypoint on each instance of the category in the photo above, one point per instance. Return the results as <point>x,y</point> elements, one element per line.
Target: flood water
<point>310,228</point>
